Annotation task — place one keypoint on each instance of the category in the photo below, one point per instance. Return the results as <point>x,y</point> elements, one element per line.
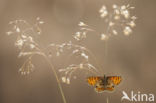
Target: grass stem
<point>57,79</point>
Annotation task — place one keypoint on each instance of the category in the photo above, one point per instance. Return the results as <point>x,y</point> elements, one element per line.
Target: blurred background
<point>133,57</point>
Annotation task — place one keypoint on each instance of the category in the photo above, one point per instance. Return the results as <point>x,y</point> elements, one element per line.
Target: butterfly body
<point>104,83</point>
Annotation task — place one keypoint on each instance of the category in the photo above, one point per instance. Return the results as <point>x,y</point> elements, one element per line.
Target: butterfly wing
<point>101,86</point>
<point>109,88</point>
<point>102,89</point>
<point>114,79</point>
<point>93,80</point>
<point>99,89</point>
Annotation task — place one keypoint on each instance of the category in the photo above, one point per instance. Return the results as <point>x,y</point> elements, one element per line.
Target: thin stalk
<point>107,100</point>
<point>57,79</point>
<point>97,62</point>
<point>106,42</point>
<point>106,51</point>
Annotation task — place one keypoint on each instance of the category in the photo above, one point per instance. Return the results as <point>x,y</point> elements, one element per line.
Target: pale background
<point>133,57</point>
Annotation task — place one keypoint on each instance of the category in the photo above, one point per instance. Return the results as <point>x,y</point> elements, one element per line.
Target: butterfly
<point>104,83</point>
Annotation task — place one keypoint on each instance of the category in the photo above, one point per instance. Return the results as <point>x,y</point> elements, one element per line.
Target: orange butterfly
<point>104,83</point>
